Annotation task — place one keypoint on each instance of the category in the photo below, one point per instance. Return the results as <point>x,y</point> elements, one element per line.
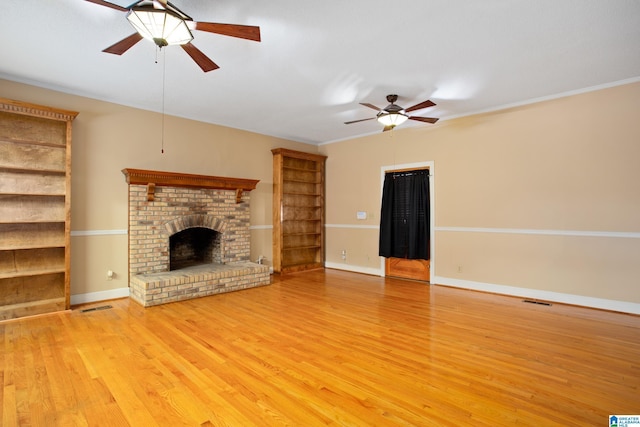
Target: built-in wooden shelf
<point>35,209</point>
<point>298,210</point>
<point>153,179</point>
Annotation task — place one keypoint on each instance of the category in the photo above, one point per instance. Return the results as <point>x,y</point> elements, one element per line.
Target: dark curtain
<point>404,217</point>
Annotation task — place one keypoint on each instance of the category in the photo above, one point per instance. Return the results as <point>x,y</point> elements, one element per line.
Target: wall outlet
<point>110,275</point>
<point>343,254</point>
<point>459,269</point>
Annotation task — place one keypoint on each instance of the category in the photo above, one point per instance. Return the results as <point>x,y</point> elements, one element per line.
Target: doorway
<point>415,269</point>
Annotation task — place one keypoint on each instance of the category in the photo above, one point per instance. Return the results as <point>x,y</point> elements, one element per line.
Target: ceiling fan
<point>165,24</point>
<point>393,115</point>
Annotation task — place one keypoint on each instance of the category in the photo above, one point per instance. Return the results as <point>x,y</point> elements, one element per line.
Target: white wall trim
<point>513,291</point>
<point>580,233</point>
<point>260,227</point>
<point>99,296</point>
<point>354,268</point>
<point>579,300</point>
<point>97,232</point>
<point>354,226</point>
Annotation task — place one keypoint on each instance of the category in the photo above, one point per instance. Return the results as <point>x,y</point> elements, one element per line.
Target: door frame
<point>432,212</point>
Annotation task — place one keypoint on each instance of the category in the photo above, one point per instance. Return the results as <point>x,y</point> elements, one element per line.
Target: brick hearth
<point>197,281</point>
<point>162,204</point>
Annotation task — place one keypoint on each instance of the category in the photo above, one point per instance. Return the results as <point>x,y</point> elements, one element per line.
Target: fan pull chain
<point>164,66</point>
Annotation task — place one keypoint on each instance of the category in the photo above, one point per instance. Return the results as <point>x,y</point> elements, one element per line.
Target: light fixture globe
<point>392,119</point>
<point>162,26</point>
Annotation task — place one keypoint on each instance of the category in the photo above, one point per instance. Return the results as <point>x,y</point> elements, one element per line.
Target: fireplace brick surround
<point>162,204</point>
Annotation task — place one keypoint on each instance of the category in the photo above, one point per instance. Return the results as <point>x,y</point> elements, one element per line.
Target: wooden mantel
<point>175,179</point>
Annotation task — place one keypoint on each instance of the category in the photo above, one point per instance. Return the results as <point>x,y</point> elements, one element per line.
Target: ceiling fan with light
<point>165,24</point>
<point>393,115</point>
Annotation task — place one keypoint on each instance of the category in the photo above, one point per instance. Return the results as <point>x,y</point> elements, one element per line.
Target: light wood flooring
<point>323,348</point>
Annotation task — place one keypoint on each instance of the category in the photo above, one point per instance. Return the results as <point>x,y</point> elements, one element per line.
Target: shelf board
<point>303,181</point>
<point>20,248</point>
<point>29,273</point>
<point>31,194</point>
<point>290,193</point>
<point>292,268</point>
<point>31,222</point>
<point>33,171</point>
<point>44,221</point>
<point>294,168</point>
<point>295,248</point>
<point>34,142</point>
<point>304,199</point>
<point>13,311</point>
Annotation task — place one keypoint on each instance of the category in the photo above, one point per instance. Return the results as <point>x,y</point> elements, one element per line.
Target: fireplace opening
<point>194,246</point>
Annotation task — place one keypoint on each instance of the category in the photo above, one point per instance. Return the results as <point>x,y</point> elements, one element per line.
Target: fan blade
<point>247,32</point>
<point>356,121</point>
<point>200,58</point>
<point>420,106</point>
<point>386,128</point>
<point>107,4</point>
<point>123,45</point>
<point>371,106</point>
<point>423,119</point>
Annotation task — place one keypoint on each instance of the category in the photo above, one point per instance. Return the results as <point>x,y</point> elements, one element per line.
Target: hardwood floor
<point>323,348</point>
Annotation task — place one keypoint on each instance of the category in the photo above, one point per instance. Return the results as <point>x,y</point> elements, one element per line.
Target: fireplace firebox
<point>194,246</point>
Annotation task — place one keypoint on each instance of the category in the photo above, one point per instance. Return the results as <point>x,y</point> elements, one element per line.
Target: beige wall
<point>540,200</point>
<point>544,198</point>
<point>108,138</point>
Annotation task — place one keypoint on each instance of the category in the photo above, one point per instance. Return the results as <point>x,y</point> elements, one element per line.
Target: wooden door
<point>415,269</point>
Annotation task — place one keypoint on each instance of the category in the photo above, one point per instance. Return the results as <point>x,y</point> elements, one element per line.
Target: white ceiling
<point>319,59</point>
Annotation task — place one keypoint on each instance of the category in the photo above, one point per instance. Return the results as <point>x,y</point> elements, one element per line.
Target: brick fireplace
<point>189,236</point>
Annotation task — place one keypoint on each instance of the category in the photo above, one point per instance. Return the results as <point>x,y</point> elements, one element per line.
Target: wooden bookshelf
<point>35,182</point>
<point>298,210</point>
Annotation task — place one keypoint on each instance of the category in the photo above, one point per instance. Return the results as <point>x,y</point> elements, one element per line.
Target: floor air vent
<point>530,301</point>
<point>102,307</point>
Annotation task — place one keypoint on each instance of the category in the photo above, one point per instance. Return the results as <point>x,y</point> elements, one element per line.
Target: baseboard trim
<point>99,296</point>
<point>353,226</point>
<point>558,297</point>
<point>354,268</point>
